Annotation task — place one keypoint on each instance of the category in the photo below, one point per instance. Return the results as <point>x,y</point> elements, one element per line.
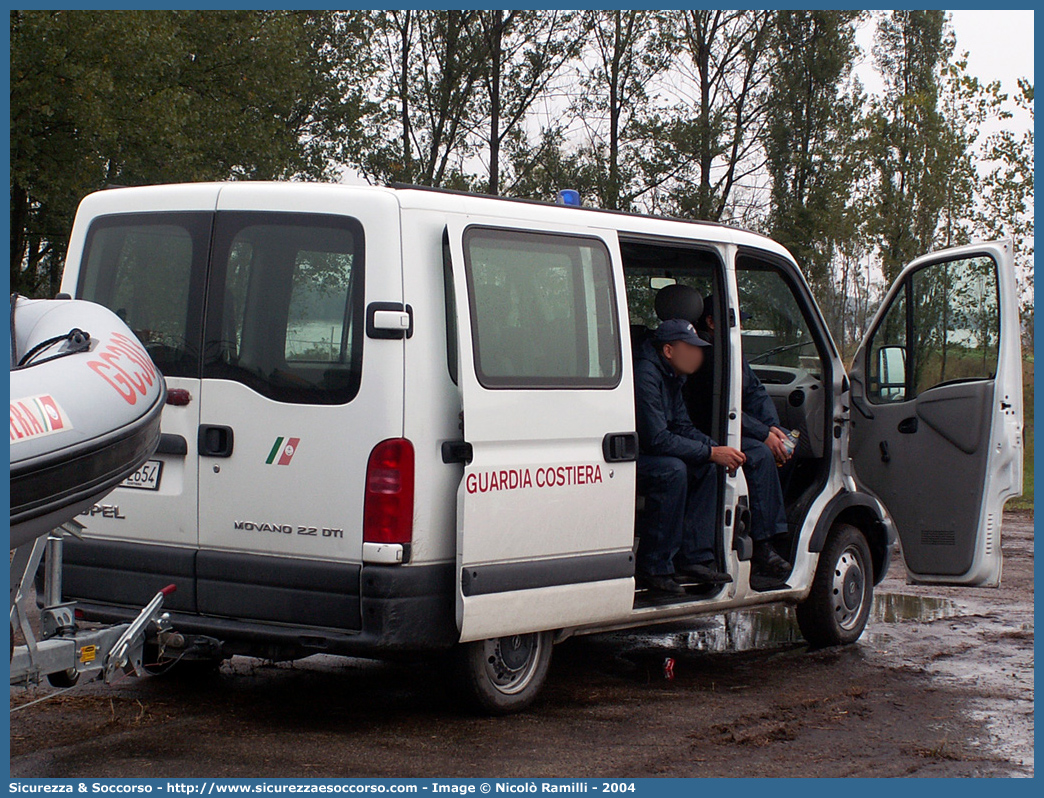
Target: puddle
<point>774,625</point>
<point>897,607</point>
<point>744,630</point>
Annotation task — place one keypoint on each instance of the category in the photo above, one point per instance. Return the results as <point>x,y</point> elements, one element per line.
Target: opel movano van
<point>401,422</point>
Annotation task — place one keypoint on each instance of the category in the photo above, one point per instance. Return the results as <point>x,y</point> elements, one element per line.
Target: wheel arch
<point>863,512</point>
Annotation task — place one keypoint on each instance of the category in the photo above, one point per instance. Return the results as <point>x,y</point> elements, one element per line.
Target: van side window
<point>784,343</point>
<point>951,332</point>
<point>283,314</point>
<point>148,269</point>
<point>543,310</point>
<point>956,322</point>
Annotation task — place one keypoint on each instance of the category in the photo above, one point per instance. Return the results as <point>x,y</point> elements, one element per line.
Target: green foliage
<point>726,58</point>
<point>1006,193</point>
<point>751,117</point>
<point>905,134</point>
<point>808,145</point>
<point>427,95</point>
<point>628,50</point>
<point>134,97</point>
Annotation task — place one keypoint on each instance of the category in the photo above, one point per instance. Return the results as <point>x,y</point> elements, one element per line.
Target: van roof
<point>546,203</point>
<point>442,199</point>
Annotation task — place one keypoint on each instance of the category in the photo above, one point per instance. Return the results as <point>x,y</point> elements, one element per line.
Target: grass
<point>1025,501</point>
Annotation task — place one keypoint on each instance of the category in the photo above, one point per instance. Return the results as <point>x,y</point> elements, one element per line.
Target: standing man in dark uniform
<point>675,466</point>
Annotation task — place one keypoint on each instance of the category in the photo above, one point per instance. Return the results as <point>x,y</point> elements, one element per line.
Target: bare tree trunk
<point>701,53</point>
<point>496,37</point>
<point>613,192</point>
<point>404,96</point>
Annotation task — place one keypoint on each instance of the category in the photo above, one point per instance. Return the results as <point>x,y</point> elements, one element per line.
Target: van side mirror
<point>891,366</point>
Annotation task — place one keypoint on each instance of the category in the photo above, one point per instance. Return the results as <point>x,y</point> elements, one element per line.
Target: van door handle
<point>215,440</point>
<point>456,452</point>
<point>620,447</point>
<point>908,425</point>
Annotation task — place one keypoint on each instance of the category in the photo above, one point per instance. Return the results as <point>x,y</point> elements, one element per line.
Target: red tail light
<point>388,509</point>
<point>178,396</point>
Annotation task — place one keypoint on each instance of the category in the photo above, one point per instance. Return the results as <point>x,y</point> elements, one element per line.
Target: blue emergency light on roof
<point>568,196</point>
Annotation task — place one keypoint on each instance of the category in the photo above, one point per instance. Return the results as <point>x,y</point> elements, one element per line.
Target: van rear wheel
<point>504,674</point>
<point>838,606</point>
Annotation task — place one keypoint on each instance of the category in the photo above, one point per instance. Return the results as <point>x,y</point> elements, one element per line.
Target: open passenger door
<point>937,419</point>
<point>545,511</point>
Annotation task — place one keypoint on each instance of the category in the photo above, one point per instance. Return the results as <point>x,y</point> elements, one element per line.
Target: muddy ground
<point>941,684</point>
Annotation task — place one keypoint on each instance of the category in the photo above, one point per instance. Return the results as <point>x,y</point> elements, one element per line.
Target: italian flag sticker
<point>283,449</point>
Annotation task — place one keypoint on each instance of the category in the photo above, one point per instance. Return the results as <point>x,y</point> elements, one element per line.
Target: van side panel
<point>432,400</point>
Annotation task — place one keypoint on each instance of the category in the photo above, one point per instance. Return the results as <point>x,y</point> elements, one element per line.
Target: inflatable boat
<point>86,400</point>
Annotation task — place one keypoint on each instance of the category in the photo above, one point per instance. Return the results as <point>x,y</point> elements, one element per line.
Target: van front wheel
<point>504,674</point>
<point>836,610</point>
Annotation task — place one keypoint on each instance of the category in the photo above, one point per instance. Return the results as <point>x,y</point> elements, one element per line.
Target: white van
<point>401,421</point>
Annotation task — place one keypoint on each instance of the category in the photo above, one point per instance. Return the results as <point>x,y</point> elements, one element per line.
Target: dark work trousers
<point>677,524</point>
<point>767,517</point>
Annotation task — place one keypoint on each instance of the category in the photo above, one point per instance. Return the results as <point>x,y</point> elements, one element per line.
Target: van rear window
<point>543,311</point>
<point>148,269</point>
<point>283,312</point>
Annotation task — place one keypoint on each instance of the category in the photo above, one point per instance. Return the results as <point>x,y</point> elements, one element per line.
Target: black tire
<point>504,675</point>
<point>64,679</point>
<point>838,606</point>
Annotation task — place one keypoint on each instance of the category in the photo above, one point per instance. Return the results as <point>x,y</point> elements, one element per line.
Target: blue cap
<point>678,330</point>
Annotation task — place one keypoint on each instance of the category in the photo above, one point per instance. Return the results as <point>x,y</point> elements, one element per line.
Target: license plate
<point>145,478</point>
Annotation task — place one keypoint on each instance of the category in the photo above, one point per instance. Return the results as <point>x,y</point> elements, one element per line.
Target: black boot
<point>660,584</point>
<point>703,573</point>
<point>767,562</point>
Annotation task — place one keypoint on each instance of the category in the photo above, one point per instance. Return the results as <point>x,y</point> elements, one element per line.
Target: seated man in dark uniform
<point>675,466</point>
<point>762,437</point>
<point>762,443</point>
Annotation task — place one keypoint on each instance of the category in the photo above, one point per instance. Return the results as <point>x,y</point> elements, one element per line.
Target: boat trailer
<point>65,651</point>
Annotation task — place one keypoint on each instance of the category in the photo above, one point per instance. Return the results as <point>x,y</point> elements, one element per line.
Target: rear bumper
<point>270,606</point>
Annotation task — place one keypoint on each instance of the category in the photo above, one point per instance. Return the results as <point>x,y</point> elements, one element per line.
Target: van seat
<point>639,333</point>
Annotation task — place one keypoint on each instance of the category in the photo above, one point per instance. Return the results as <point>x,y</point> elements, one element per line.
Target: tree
<point>431,67</point>
<point>965,104</point>
<point>808,152</point>
<point>526,52</point>
<point>1007,197</point>
<point>718,130</point>
<point>135,97</point>
<point>626,53</point>
<point>906,134</point>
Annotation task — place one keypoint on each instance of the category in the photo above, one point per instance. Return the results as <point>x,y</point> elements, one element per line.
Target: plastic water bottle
<point>790,444</point>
